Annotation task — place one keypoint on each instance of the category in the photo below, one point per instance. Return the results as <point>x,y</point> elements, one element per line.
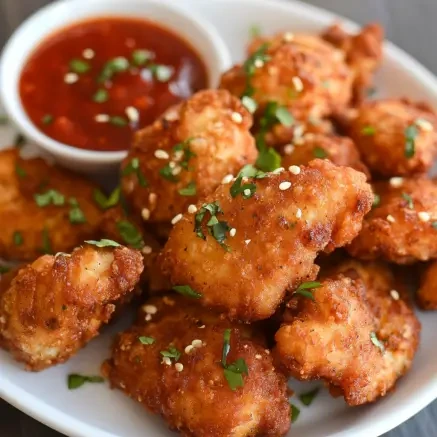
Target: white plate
<point>95,411</point>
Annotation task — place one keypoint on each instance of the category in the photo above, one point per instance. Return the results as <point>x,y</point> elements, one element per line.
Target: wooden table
<point>408,23</point>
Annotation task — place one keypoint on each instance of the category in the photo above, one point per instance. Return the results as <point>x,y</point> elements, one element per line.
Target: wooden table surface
<point>408,23</point>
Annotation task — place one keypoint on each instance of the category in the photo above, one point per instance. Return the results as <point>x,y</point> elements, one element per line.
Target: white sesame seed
<point>237,117</point>
<point>147,250</point>
<point>145,213</point>
<point>176,170</point>
<point>246,192</point>
<point>284,185</point>
<point>298,213</point>
<point>152,198</point>
<point>71,78</point>
<point>179,367</point>
<point>258,63</point>
<point>88,53</point>
<point>278,170</point>
<point>258,356</point>
<point>178,155</point>
<point>267,351</point>
<point>189,348</point>
<point>424,216</point>
<point>150,309</point>
<point>298,141</point>
<point>101,118</point>
<point>172,115</point>
<point>172,164</point>
<point>232,232</point>
<point>132,114</point>
<point>294,169</point>
<point>161,154</point>
<point>245,346</point>
<point>390,218</point>
<point>298,132</point>
<point>227,179</point>
<point>247,241</point>
<point>396,182</point>
<point>148,318</point>
<point>424,124</point>
<point>167,361</point>
<point>297,83</point>
<point>289,149</point>
<point>202,327</point>
<point>196,343</point>
<point>394,294</point>
<point>176,218</point>
<point>192,209</point>
<point>288,37</point>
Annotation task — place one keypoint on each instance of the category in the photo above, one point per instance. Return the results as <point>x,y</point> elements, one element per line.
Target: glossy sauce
<point>63,78</point>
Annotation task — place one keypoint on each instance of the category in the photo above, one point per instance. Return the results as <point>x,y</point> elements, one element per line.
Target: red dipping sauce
<point>93,84</point>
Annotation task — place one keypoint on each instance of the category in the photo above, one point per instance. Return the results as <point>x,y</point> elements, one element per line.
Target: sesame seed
<point>297,83</point>
<point>176,218</point>
<point>390,218</point>
<point>278,170</point>
<point>227,179</point>
<point>201,327</point>
<point>101,118</point>
<point>294,169</point>
<point>145,214</point>
<point>178,155</point>
<point>298,141</point>
<point>189,348</point>
<point>167,361</point>
<point>232,232</point>
<point>289,149</point>
<point>148,318</point>
<point>258,356</point>
<point>161,154</point>
<point>152,198</point>
<point>172,115</point>
<point>179,367</point>
<point>71,78</point>
<point>394,294</point>
<point>288,37</point>
<point>246,192</point>
<point>424,216</point>
<point>237,117</point>
<point>147,250</point>
<point>258,63</point>
<point>298,213</point>
<point>150,309</point>
<point>396,182</point>
<point>247,241</point>
<point>176,170</point>
<point>245,346</point>
<point>298,132</point>
<point>172,164</point>
<point>196,343</point>
<point>424,124</point>
<point>88,53</point>
<point>192,209</point>
<point>132,114</point>
<point>284,185</point>
<point>267,351</point>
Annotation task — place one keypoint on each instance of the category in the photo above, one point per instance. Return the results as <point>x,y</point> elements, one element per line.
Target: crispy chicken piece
<point>339,150</point>
<point>185,154</point>
<point>57,304</point>
<point>354,334</point>
<point>402,227</point>
<point>251,250</point>
<point>426,296</point>
<point>187,385</point>
<point>395,137</point>
<point>28,230</point>
<point>363,54</point>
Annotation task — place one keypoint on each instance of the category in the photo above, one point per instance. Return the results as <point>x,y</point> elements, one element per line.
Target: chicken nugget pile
<point>221,233</point>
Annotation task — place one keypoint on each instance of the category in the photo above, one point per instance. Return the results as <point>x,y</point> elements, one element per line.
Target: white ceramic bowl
<point>193,28</point>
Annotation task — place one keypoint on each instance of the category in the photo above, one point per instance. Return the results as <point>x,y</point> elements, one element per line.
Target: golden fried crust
<point>326,79</point>
<point>339,150</point>
<point>363,52</point>
<point>426,296</point>
<point>215,126</point>
<point>197,400</point>
<point>20,180</point>
<point>401,229</point>
<point>385,148</point>
<point>55,305</point>
<point>331,337</point>
<point>278,235</point>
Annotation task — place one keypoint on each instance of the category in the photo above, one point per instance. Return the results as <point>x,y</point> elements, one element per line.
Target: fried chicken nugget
<point>256,245</point>
<point>354,335</point>
<point>395,137</point>
<point>172,365</point>
<point>401,227</point>
<point>184,155</point>
<point>57,304</point>
<point>426,296</point>
<point>67,215</point>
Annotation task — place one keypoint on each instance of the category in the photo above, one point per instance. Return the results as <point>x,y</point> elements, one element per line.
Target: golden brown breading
<point>354,335</point>
<point>29,230</point>
<point>191,392</point>
<point>278,233</point>
<point>57,304</point>
<point>401,229</point>
<point>426,296</point>
<point>339,150</point>
<point>363,54</point>
<point>192,147</point>
<point>395,137</point>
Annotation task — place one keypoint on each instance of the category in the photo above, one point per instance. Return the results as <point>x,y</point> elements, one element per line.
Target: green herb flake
<point>376,341</point>
<point>184,147</point>
<point>113,66</point>
<point>411,133</point>
<point>75,380</point>
<point>117,120</point>
<point>368,131</point>
<point>134,168</point>
<point>50,197</point>
<point>140,57</point>
<point>320,153</point>
<point>167,173</point>
<point>249,103</point>
<point>268,159</point>
<point>104,242</point>
<point>107,202</point>
<point>284,117</point>
<point>434,225</point>
<point>79,66</point>
<point>162,73</point>
<point>376,200</point>
<point>46,246</point>
<point>47,119</point>
<point>308,397</point>
<point>187,291</point>
<point>101,96</point>
<point>130,234</point>
<point>260,56</point>
<point>305,289</point>
<point>233,372</point>
<point>294,412</point>
<point>408,199</point>
<point>171,352</point>
<point>18,238</point>
<point>75,215</point>
<point>146,340</point>
<point>19,171</point>
<point>254,31</point>
<point>189,190</point>
<point>248,171</point>
<point>4,269</point>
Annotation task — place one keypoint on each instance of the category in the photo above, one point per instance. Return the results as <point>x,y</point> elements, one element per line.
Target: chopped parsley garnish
<point>254,31</point>
<point>117,120</point>
<point>376,200</point>
<point>248,171</point>
<point>182,161</point>
<point>47,119</point>
<point>376,341</point>
<point>79,66</point>
<point>171,352</point>
<point>408,199</point>
<point>134,168</point>
<point>189,190</point>
<point>130,234</point>
<point>308,397</point>
<point>268,159</point>
<point>250,65</point>
<point>19,141</point>
<point>283,116</point>
<point>249,103</point>
<point>305,289</point>
<point>104,242</point>
<point>76,214</point>
<point>187,291</point>
<point>19,171</point>
<point>4,269</point>
<point>146,340</point>
<point>434,225</point>
<point>294,412</point>
<point>320,153</point>
<point>234,371</point>
<point>368,131</point>
<point>76,381</point>
<point>46,247</point>
<point>162,73</point>
<point>140,57</point>
<point>184,146</point>
<point>167,173</point>
<point>18,238</point>
<point>107,202</point>
<point>50,197</point>
<point>113,66</point>
<point>411,133</point>
<point>101,96</point>
<point>3,120</point>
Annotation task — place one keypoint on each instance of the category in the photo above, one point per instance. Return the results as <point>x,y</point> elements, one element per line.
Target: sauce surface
<point>92,85</point>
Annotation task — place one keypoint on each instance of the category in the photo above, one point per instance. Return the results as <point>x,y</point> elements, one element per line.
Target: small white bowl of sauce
<point>79,77</point>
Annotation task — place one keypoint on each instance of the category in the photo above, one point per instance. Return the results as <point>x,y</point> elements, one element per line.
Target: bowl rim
<point>18,115</point>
